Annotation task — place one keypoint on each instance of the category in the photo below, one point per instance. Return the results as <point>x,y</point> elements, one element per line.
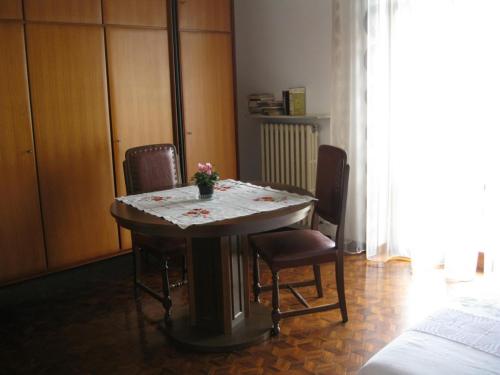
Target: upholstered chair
<point>152,168</point>
<point>309,247</point>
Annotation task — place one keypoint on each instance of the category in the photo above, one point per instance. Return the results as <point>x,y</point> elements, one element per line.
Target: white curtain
<point>348,124</point>
<point>433,120</point>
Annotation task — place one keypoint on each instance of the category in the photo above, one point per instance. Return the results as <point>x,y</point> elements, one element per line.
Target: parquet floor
<point>104,331</point>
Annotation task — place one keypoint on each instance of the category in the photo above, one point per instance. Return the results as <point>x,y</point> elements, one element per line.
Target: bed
<point>459,340</point>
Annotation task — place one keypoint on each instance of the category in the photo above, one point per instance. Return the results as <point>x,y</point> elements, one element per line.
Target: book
<point>286,102</point>
<point>276,111</point>
<point>297,101</point>
<point>265,96</point>
<point>264,104</point>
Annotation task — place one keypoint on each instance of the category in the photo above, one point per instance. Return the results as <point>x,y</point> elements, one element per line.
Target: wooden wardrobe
<point>22,251</point>
<point>82,81</point>
<point>139,79</point>
<point>207,75</point>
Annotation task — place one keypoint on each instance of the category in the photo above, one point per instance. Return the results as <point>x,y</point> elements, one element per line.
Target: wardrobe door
<point>139,83</point>
<point>71,121</point>
<point>208,102</point>
<point>77,11</point>
<point>22,251</point>
<point>11,9</point>
<point>135,12</point>
<point>213,15</point>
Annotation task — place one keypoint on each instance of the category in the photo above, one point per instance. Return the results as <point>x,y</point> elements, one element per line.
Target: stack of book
<point>294,101</point>
<point>265,104</point>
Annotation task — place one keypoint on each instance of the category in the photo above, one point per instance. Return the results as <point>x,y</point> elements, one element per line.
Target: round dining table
<point>221,316</point>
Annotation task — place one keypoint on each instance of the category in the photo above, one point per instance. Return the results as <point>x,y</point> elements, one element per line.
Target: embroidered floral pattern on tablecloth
<point>157,198</point>
<point>220,187</point>
<point>196,212</point>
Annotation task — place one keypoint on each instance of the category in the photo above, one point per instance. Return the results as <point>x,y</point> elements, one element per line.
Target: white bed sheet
<point>418,353</point>
<point>421,353</point>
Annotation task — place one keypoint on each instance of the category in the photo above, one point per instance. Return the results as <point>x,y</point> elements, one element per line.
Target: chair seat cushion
<point>159,244</point>
<point>294,248</point>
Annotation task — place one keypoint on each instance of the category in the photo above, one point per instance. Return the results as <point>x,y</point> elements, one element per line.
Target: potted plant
<point>205,179</point>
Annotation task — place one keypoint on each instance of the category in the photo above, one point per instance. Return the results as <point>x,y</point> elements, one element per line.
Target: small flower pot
<point>206,192</point>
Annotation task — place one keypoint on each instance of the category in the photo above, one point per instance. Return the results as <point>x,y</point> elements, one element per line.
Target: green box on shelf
<point>297,101</point>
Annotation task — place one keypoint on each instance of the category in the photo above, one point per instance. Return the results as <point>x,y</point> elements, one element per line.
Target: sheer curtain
<point>348,124</point>
<point>433,120</point>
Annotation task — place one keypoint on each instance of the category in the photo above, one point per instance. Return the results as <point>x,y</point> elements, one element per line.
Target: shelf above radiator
<point>311,116</point>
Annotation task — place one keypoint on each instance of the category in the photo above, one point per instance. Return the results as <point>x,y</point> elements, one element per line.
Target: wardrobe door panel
<point>207,84</point>
<point>139,82</point>
<point>77,11</point>
<point>22,250</point>
<point>11,9</point>
<point>136,12</point>
<point>213,15</point>
<point>70,112</point>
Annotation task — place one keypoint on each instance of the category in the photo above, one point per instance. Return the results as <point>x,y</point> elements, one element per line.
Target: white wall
<point>280,44</point>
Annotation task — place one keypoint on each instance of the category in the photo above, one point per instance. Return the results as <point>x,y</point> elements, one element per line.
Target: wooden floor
<point>104,331</point>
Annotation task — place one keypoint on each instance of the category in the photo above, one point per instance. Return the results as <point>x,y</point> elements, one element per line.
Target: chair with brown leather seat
<point>309,247</point>
<point>152,168</point>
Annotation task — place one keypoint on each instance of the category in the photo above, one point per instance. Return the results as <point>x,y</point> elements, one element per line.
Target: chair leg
<point>276,314</point>
<point>339,275</point>
<point>256,277</point>
<point>167,301</point>
<point>317,278</point>
<point>136,256</point>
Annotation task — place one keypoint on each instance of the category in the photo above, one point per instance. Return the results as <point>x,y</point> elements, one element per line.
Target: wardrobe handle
<point>189,133</point>
<point>30,151</point>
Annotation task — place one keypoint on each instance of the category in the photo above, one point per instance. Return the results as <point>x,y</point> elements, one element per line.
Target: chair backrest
<point>151,168</point>
<point>331,187</point>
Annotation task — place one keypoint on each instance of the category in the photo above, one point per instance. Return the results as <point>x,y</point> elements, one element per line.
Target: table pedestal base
<point>252,330</point>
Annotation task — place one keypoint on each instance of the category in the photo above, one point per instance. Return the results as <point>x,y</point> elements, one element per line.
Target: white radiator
<point>289,154</point>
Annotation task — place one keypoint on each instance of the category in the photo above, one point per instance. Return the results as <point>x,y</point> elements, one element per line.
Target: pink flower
<point>205,168</point>
<point>209,168</point>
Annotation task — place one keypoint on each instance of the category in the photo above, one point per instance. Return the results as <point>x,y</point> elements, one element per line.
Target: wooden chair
<point>152,168</point>
<point>304,247</point>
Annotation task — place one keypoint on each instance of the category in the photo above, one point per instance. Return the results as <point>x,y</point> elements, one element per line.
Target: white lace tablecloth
<point>231,199</point>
